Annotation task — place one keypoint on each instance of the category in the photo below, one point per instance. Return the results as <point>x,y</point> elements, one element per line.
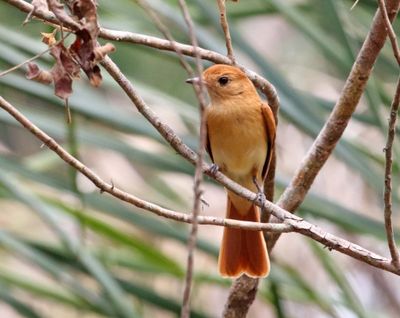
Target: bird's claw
<point>214,169</point>
<point>204,201</point>
<point>261,198</point>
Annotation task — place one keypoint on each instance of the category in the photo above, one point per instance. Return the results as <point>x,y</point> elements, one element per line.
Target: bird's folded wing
<point>271,132</point>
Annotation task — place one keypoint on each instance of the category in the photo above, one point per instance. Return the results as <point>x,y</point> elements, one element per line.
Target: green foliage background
<point>110,267</point>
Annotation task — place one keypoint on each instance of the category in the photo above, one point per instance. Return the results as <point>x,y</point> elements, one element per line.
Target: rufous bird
<point>240,141</point>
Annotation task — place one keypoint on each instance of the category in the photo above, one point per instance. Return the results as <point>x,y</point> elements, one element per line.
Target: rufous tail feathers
<point>243,251</point>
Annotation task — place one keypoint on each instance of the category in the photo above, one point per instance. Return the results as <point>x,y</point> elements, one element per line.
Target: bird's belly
<point>239,152</point>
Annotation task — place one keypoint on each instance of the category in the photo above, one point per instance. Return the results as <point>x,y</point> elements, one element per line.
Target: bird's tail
<point>243,251</point>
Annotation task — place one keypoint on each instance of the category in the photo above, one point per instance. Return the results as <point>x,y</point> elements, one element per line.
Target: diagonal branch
<point>337,122</point>
<point>124,196</point>
<point>320,151</point>
<point>291,223</point>
<point>167,34</point>
<point>122,36</point>
<point>327,139</point>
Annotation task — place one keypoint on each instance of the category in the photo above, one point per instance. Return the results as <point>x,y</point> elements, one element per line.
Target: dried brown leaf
<point>36,74</point>
<point>86,11</point>
<point>64,71</point>
<point>83,52</point>
<point>58,9</point>
<point>49,38</point>
<point>95,76</point>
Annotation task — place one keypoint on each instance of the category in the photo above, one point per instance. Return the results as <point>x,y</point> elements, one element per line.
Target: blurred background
<point>69,251</point>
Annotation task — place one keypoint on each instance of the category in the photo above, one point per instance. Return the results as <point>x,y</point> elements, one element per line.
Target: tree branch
<point>390,31</point>
<point>321,149</point>
<point>394,253</point>
<point>198,175</point>
<point>124,196</point>
<point>337,122</point>
<point>291,223</point>
<point>394,108</point>
<point>225,28</point>
<point>122,36</point>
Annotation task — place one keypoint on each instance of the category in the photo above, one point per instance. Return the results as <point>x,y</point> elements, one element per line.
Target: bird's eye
<point>223,80</point>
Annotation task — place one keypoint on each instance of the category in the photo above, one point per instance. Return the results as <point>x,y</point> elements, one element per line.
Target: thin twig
<point>11,69</point>
<point>291,223</point>
<point>394,253</point>
<point>388,177</point>
<point>198,176</point>
<point>225,28</point>
<point>244,289</point>
<point>167,34</point>
<point>390,31</point>
<point>354,5</point>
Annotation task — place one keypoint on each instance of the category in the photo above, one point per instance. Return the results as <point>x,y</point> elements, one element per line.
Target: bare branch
<point>390,31</point>
<point>11,69</point>
<point>241,296</point>
<point>167,34</point>
<point>225,28</point>
<point>337,122</point>
<point>394,253</point>
<point>291,223</point>
<point>394,108</point>
<point>354,5</point>
<point>124,196</point>
<point>198,176</point>
<point>113,35</point>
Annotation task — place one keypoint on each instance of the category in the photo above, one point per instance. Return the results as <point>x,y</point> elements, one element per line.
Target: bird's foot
<point>260,197</point>
<point>213,169</point>
<point>204,201</point>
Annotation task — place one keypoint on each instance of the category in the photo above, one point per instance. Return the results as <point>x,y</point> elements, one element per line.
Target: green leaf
<point>45,291</point>
<point>23,309</point>
<point>146,251</point>
<point>349,297</point>
<point>55,270</point>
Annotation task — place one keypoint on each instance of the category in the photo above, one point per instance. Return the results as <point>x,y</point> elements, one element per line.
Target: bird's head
<point>226,83</point>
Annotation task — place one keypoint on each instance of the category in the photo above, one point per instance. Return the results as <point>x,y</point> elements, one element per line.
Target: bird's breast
<point>238,140</point>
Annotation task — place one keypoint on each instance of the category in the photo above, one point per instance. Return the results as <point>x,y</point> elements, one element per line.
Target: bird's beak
<point>194,80</point>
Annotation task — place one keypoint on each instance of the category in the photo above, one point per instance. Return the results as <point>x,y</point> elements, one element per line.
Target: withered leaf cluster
<point>84,53</point>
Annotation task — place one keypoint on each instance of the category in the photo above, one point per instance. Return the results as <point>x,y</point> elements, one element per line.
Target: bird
<point>240,141</point>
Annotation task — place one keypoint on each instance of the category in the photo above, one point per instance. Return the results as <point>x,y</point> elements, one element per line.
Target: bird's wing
<point>270,126</point>
<point>208,144</point>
